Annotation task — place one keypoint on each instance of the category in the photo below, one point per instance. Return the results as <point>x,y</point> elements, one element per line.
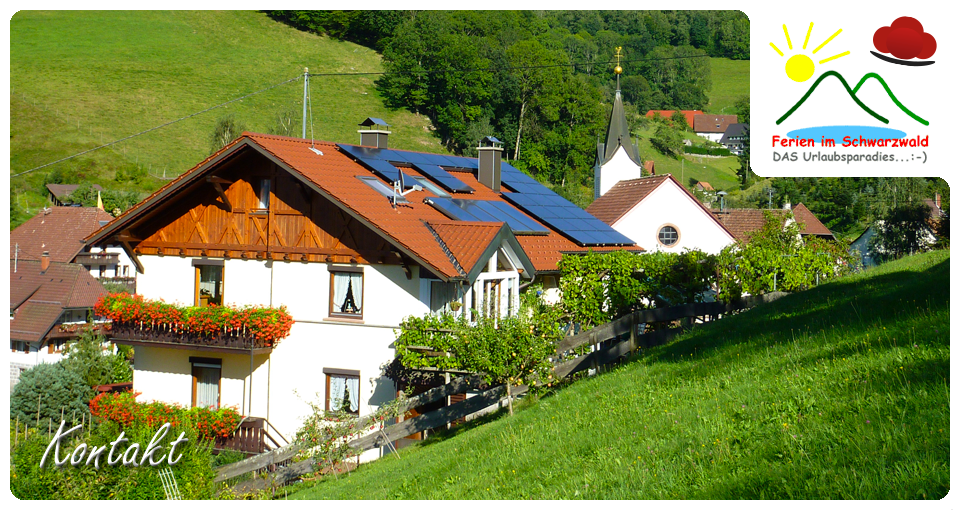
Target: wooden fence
<point>620,337</point>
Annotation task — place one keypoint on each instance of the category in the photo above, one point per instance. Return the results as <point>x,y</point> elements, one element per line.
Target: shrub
<point>709,151</point>
<point>123,409</point>
<point>56,390</point>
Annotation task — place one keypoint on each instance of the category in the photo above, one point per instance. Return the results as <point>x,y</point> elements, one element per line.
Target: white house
<point>712,127</point>
<point>59,231</point>
<point>662,215</point>
<point>351,239</point>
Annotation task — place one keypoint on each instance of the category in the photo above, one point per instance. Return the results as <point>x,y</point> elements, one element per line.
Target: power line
<point>468,70</point>
<point>155,128</point>
<point>509,68</point>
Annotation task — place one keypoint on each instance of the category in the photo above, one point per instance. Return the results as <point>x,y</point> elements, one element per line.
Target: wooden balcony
<point>98,259</point>
<point>163,336</point>
<point>72,330</point>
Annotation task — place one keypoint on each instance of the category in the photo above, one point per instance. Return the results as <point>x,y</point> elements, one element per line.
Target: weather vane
<point>618,70</point>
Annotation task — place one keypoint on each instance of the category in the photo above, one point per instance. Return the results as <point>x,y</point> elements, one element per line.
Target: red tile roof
<point>811,225</point>
<point>713,123</point>
<point>334,174</point>
<point>40,298</point>
<point>741,222</point>
<point>623,197</point>
<point>59,230</point>
<point>467,241</point>
<point>689,114</point>
<point>650,166</point>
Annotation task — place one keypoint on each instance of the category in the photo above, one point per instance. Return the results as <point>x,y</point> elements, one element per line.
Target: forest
<point>540,81</point>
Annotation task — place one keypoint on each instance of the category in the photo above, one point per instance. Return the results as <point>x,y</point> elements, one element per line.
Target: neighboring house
<point>49,302</point>
<point>868,256</point>
<point>650,166</point>
<point>742,222</point>
<point>619,158</point>
<point>60,231</point>
<point>315,226</point>
<point>704,186</point>
<point>667,114</point>
<point>712,127</point>
<point>60,193</point>
<point>662,215</point>
<point>735,137</point>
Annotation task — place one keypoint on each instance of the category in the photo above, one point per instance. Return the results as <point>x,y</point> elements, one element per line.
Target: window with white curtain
<point>343,390</point>
<point>206,382</point>
<point>346,294</point>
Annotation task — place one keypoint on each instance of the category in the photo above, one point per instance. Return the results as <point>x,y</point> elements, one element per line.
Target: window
<point>382,188</point>
<point>668,235</point>
<point>343,390</point>
<point>264,198</point>
<point>431,187</point>
<point>206,382</point>
<point>209,282</point>
<point>346,292</point>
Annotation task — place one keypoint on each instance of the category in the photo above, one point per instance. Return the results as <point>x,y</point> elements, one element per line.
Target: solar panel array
<point>487,210</point>
<point>379,160</point>
<point>527,194</point>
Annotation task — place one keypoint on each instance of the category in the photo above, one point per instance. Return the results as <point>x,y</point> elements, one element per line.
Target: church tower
<point>619,158</point>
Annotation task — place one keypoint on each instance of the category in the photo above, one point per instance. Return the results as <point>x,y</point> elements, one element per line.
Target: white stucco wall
<point>670,205</point>
<point>292,374</point>
<point>713,137</point>
<point>619,168</point>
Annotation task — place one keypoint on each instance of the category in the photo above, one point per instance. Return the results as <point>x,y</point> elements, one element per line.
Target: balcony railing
<point>164,335</point>
<point>73,329</point>
<point>98,259</point>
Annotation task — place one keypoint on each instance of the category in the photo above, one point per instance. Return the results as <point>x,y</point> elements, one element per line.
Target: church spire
<point>618,131</point>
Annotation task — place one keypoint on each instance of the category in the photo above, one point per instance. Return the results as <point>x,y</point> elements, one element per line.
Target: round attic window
<point>668,235</point>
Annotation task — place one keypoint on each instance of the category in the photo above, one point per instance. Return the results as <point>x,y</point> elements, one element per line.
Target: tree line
<point>540,81</point>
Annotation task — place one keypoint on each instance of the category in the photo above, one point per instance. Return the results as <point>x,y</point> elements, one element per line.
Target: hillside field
<point>839,392</point>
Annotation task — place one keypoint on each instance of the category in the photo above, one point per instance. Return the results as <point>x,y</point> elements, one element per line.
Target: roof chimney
<point>488,172</point>
<point>44,262</point>
<point>376,133</point>
<point>937,199</point>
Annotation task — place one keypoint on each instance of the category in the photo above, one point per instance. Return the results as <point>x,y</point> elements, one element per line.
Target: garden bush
<point>55,390</point>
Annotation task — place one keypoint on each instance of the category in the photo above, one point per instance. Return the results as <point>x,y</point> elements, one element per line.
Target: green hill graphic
<point>853,95</point>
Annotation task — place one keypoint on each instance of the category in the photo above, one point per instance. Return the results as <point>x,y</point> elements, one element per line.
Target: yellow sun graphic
<point>800,67</point>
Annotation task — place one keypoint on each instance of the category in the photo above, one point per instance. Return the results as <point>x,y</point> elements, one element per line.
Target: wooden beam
<point>133,256</point>
<point>219,189</point>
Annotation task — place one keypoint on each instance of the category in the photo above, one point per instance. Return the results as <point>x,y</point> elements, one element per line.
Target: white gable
<point>670,205</point>
<point>619,168</point>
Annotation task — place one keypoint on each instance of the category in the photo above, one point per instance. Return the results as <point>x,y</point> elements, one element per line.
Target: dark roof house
<point>742,222</point>
<point>706,123</point>
<point>60,192</point>
<point>57,230</point>
<point>41,292</point>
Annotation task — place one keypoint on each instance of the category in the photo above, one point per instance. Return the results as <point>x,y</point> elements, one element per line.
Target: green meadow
<point>839,392</point>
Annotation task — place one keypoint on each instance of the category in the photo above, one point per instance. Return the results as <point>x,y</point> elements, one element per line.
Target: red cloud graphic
<point>905,39</point>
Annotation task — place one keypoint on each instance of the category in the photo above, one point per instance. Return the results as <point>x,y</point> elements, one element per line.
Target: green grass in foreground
<point>838,392</point>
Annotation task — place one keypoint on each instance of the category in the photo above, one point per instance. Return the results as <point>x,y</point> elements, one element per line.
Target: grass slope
<point>838,392</point>
<point>80,78</point>
<point>721,173</point>
<point>731,79</point>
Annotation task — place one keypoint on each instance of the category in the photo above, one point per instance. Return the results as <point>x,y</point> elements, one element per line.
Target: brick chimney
<point>375,134</point>
<point>44,262</point>
<point>489,154</point>
<point>937,199</point>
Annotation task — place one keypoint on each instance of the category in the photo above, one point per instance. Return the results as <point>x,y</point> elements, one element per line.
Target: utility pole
<point>306,88</point>
<point>770,198</point>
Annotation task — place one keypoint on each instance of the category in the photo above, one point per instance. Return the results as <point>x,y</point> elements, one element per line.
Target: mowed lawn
<point>839,392</point>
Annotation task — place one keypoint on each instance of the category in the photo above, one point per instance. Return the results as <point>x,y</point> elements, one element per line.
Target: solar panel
<point>388,172</point>
<point>443,178</point>
<point>547,209</point>
<point>487,211</point>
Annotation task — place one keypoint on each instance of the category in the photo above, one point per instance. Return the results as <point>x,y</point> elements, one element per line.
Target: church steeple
<point>618,136</point>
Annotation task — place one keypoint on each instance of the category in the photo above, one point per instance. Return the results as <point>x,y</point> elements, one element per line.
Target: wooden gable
<point>221,216</point>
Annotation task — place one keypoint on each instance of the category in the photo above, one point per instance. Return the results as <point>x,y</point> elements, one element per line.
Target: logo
<point>904,39</point>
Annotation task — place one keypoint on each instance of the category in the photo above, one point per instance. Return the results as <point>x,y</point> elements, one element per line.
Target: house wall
<point>284,381</point>
<point>668,204</point>
<point>713,137</point>
<point>619,168</point>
